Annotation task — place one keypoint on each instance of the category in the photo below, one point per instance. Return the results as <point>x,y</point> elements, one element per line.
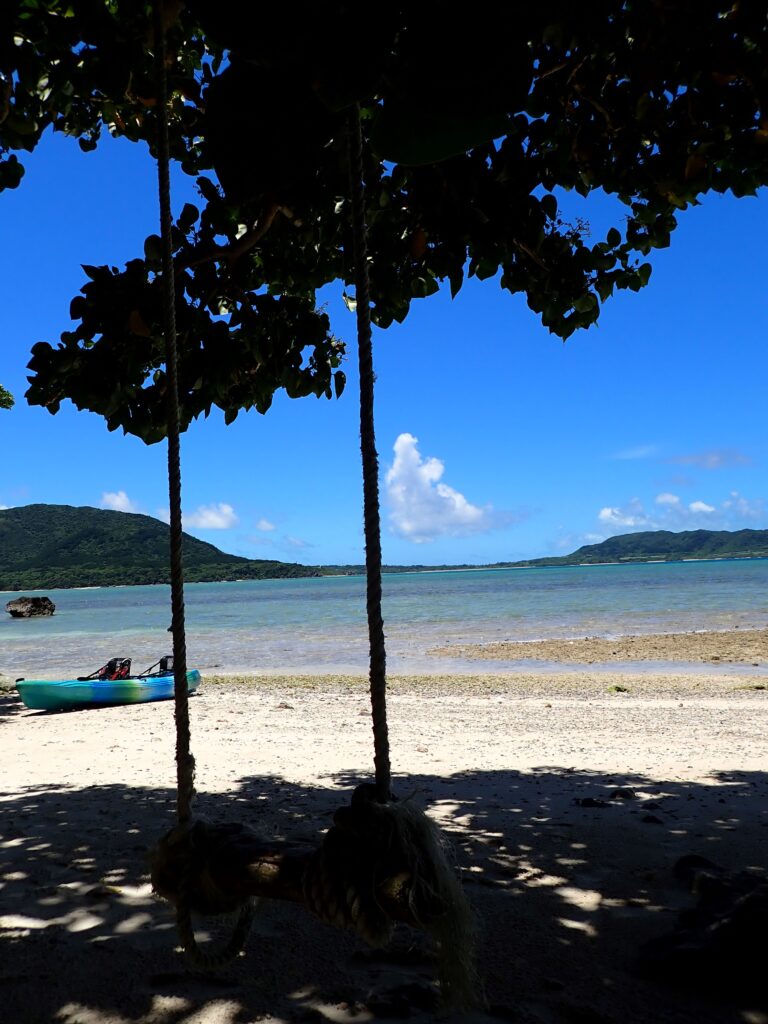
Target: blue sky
<point>497,441</point>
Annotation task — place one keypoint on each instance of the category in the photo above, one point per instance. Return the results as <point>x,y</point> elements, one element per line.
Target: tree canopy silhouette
<point>473,127</point>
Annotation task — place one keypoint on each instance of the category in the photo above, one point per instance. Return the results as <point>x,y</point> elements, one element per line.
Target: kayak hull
<point>66,694</point>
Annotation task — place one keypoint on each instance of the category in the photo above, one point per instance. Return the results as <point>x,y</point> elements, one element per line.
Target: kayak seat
<point>108,670</point>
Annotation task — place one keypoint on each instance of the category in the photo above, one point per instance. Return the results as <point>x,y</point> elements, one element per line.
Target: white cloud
<point>265,525</point>
<point>257,541</point>
<point>641,451</point>
<point>672,514</point>
<point>118,501</point>
<point>421,507</point>
<point>218,516</point>
<point>2,507</point>
<point>742,507</point>
<point>565,543</point>
<point>701,506</point>
<point>297,542</point>
<point>717,458</point>
<point>631,516</point>
<point>572,541</point>
<point>286,543</point>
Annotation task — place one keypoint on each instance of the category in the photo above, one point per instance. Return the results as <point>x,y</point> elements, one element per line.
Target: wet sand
<point>738,647</point>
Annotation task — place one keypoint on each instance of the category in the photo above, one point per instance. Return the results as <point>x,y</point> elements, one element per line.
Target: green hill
<point>58,546</point>
<point>49,546</point>
<point>650,546</point>
<point>663,545</point>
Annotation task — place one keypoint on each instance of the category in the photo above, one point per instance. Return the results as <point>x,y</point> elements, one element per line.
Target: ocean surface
<point>318,625</point>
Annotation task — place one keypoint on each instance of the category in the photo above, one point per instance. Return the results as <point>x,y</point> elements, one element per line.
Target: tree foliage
<point>473,127</point>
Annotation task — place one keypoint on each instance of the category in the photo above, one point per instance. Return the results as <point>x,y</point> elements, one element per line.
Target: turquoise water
<point>318,625</point>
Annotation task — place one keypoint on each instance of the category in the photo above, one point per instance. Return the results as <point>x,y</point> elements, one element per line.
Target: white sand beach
<point>569,799</point>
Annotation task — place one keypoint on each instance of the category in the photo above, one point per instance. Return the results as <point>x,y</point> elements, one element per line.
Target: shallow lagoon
<point>318,625</point>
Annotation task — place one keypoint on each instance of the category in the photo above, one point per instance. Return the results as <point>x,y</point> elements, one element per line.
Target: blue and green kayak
<point>90,692</point>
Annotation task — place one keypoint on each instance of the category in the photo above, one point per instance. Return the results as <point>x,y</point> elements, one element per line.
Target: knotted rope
<point>185,762</point>
<point>376,854</point>
<point>377,838</point>
<point>370,459</point>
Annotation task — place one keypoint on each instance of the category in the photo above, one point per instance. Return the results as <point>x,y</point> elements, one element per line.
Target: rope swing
<point>185,762</point>
<point>370,460</point>
<point>382,860</point>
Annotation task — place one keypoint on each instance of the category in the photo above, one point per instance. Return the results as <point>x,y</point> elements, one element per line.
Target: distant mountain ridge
<point>50,546</point>
<point>666,546</point>
<point>60,546</point>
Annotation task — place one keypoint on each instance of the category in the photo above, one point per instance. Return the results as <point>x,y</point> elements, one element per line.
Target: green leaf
<point>456,279</point>
<point>153,249</point>
<point>11,172</point>
<point>188,216</point>
<point>644,272</point>
<point>604,288</point>
<point>485,268</point>
<point>613,238</point>
<point>207,189</point>
<point>585,303</point>
<point>95,273</point>
<point>548,203</point>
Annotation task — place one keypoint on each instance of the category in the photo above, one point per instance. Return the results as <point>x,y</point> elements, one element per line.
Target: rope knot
<point>180,874</point>
<point>180,867</point>
<point>374,851</point>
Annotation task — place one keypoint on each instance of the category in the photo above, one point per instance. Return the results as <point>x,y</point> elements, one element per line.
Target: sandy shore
<point>569,799</point>
<point>738,647</point>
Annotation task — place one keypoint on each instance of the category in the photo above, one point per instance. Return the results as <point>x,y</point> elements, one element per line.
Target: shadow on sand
<point>569,873</point>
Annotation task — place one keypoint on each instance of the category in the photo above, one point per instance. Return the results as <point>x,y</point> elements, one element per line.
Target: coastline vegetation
<point>61,546</point>
<point>665,546</point>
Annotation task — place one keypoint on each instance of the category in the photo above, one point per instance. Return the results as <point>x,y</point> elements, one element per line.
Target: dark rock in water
<point>26,607</point>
